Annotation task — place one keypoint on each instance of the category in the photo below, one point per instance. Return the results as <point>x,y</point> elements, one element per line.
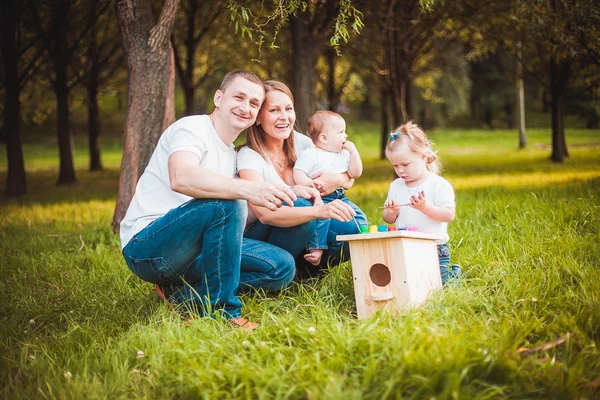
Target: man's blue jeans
<point>320,240</point>
<point>196,249</point>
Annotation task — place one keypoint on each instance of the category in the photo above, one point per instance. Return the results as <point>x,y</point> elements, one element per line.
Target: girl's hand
<point>419,202</point>
<point>391,209</point>
<point>337,209</point>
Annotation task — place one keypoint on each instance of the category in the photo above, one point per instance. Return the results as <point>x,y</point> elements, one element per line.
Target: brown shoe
<point>244,324</point>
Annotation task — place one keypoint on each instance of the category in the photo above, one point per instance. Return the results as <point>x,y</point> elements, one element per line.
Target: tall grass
<point>73,318</point>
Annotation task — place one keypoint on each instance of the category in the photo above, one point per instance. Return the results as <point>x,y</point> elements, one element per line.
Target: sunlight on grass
<point>74,319</point>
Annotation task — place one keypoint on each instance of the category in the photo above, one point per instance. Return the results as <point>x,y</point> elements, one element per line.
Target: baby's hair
<point>416,140</point>
<point>317,122</point>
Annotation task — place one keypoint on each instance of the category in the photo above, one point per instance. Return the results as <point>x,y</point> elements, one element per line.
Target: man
<point>183,228</point>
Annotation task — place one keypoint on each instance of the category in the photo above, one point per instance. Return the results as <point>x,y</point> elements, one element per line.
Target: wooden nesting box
<point>393,270</point>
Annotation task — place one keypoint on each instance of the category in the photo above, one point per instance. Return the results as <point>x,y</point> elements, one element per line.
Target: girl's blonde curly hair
<point>416,140</point>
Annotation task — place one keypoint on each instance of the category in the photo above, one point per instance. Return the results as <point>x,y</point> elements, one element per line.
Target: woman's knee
<point>284,271</point>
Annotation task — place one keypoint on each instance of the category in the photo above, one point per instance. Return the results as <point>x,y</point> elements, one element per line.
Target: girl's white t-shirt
<point>438,192</point>
<point>153,196</point>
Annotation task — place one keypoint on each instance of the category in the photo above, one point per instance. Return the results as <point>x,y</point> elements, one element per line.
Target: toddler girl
<point>421,197</point>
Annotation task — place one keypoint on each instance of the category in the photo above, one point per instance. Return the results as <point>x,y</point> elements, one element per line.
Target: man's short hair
<point>250,76</point>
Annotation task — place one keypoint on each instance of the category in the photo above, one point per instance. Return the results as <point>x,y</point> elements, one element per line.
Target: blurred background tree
<point>67,65</point>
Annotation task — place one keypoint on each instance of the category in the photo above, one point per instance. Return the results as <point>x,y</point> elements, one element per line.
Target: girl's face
<point>277,115</point>
<point>408,165</point>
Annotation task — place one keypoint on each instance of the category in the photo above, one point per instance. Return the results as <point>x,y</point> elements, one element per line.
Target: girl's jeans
<point>196,248</point>
<point>320,239</point>
<point>448,272</point>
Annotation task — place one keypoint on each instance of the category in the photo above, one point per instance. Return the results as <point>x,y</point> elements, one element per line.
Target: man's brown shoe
<point>244,324</point>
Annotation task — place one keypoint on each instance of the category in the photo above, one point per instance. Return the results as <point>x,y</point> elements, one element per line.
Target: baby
<point>332,153</point>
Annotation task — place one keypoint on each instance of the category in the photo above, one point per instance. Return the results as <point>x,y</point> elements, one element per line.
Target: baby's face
<point>335,134</point>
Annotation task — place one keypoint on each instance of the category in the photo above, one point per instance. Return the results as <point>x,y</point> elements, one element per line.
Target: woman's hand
<point>337,209</point>
<point>309,193</point>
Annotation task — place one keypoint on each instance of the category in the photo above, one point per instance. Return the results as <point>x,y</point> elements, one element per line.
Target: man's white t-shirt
<point>315,160</point>
<point>438,192</point>
<point>153,196</point>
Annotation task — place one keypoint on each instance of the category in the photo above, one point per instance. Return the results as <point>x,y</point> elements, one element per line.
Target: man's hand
<point>271,196</point>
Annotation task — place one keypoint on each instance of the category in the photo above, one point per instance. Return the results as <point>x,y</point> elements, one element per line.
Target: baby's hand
<point>419,202</point>
<point>351,147</point>
<point>318,184</point>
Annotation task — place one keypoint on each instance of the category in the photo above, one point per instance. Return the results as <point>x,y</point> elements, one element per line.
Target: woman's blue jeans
<point>292,239</point>
<point>197,249</point>
<point>320,240</point>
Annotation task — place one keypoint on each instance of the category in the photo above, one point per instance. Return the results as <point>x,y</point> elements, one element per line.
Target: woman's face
<point>277,115</point>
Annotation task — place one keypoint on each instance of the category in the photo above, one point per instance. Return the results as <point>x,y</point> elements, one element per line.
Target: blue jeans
<point>320,240</point>
<point>448,272</point>
<point>292,239</point>
<point>196,249</point>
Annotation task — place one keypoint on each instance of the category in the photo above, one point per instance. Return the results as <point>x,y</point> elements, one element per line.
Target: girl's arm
<point>291,216</point>
<point>390,211</point>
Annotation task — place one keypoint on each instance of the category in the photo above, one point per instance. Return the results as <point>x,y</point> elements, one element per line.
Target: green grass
<point>73,318</point>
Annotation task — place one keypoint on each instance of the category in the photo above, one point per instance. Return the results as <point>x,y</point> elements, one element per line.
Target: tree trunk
<point>60,60</point>
<point>559,76</point>
<point>331,96</point>
<point>92,92</point>
<point>66,173</point>
<point>521,102</point>
<point>16,183</point>
<point>305,50</point>
<point>94,121</point>
<point>385,127</point>
<point>425,120</point>
<point>151,90</point>
<point>408,98</point>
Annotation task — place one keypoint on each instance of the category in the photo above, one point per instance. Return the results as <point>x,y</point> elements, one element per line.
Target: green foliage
<point>73,317</point>
<point>267,21</point>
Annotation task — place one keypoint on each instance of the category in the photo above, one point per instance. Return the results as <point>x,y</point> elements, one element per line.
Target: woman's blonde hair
<point>255,138</point>
<point>416,140</point>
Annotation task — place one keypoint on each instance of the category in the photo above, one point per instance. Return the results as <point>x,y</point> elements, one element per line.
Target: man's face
<point>238,105</point>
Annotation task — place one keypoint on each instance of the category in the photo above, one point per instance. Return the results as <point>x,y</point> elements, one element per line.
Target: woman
<point>269,155</point>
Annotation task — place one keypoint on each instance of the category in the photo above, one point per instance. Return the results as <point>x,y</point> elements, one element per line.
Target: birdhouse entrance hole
<point>380,275</point>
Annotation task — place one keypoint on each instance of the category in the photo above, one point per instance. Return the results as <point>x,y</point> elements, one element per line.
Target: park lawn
<point>73,318</point>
